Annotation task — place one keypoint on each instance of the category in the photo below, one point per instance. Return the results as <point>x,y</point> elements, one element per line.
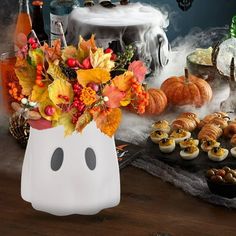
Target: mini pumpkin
<point>157,102</point>
<point>187,90</point>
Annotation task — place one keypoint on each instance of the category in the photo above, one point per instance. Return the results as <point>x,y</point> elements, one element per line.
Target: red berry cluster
<point>113,55</point>
<point>77,103</point>
<point>39,71</point>
<point>33,43</point>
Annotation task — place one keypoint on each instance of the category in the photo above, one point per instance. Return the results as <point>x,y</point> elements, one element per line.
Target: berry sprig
<point>39,70</point>
<point>140,97</point>
<point>14,91</point>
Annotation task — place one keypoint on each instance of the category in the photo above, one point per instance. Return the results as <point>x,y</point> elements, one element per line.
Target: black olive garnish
<point>164,140</point>
<point>215,149</point>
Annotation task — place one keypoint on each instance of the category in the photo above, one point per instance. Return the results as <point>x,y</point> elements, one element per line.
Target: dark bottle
<point>106,3</point>
<point>38,22</point>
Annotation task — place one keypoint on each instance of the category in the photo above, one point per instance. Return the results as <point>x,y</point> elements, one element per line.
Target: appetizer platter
<point>194,144</point>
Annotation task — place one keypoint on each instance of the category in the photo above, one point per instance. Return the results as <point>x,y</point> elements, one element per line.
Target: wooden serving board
<point>201,163</point>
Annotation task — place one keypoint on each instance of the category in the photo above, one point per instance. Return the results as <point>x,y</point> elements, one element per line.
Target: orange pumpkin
<point>157,102</point>
<point>187,90</point>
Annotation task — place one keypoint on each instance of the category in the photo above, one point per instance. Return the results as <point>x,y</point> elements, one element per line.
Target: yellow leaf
<point>55,72</point>
<point>97,76</point>
<point>123,82</point>
<point>83,121</point>
<point>26,75</point>
<point>127,99</point>
<point>108,124</point>
<point>42,106</point>
<point>102,60</point>
<point>58,89</point>
<point>39,94</point>
<point>65,119</point>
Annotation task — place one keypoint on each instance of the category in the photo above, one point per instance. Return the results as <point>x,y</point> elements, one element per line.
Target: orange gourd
<point>157,102</point>
<point>187,90</point>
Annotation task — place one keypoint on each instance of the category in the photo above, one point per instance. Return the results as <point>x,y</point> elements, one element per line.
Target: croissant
<point>187,121</point>
<point>233,140</point>
<point>221,122</point>
<point>230,130</point>
<point>210,131</point>
<point>210,117</point>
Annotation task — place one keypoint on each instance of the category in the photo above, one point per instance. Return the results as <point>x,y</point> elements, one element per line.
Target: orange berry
<point>39,67</point>
<point>10,91</point>
<point>38,77</point>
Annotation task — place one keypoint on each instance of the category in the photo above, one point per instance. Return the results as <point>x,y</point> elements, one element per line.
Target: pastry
<point>230,130</point>
<point>167,145</point>
<point>180,135</point>
<point>210,117</point>
<point>210,131</point>
<point>162,125</point>
<point>219,121</point>
<point>189,153</point>
<point>157,135</point>
<point>218,154</point>
<point>207,145</point>
<point>189,142</point>
<point>187,121</point>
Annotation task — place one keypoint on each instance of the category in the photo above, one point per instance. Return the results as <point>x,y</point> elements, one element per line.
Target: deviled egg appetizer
<point>162,125</point>
<point>207,145</point>
<point>189,142</point>
<point>233,151</point>
<point>167,145</point>
<point>157,135</point>
<point>218,154</point>
<point>190,152</point>
<point>180,135</point>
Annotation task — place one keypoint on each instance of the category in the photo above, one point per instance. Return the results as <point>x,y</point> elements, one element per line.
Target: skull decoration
<point>184,4</point>
<point>78,174</point>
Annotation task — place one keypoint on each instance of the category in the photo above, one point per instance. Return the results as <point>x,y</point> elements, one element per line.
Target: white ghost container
<point>78,174</point>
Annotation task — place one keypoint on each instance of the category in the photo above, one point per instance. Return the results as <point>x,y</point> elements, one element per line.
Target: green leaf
<point>37,56</point>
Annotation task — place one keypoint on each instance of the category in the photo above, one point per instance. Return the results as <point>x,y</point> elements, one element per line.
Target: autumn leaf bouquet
<point>76,85</point>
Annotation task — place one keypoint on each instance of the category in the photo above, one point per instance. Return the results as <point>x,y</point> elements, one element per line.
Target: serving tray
<point>201,163</point>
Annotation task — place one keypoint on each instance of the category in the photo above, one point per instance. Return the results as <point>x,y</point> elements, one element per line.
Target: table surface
<point>148,206</point>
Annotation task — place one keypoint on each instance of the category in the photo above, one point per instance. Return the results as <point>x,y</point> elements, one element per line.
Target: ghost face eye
<point>57,159</point>
<point>90,158</point>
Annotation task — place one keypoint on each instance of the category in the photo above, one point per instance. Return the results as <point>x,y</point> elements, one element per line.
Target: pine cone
<point>19,128</point>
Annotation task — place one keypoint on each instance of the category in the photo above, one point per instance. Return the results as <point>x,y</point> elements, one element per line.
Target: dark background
<point>203,14</point>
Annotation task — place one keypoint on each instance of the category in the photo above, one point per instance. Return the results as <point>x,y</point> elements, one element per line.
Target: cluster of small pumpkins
<point>178,91</point>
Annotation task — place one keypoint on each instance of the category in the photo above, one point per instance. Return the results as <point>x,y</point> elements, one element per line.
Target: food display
<point>162,125</point>
<point>211,134</point>
<point>201,56</point>
<point>218,154</point>
<point>188,142</point>
<point>233,151</point>
<point>157,135</point>
<point>180,135</point>
<point>190,152</point>
<point>167,145</point>
<point>208,144</point>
